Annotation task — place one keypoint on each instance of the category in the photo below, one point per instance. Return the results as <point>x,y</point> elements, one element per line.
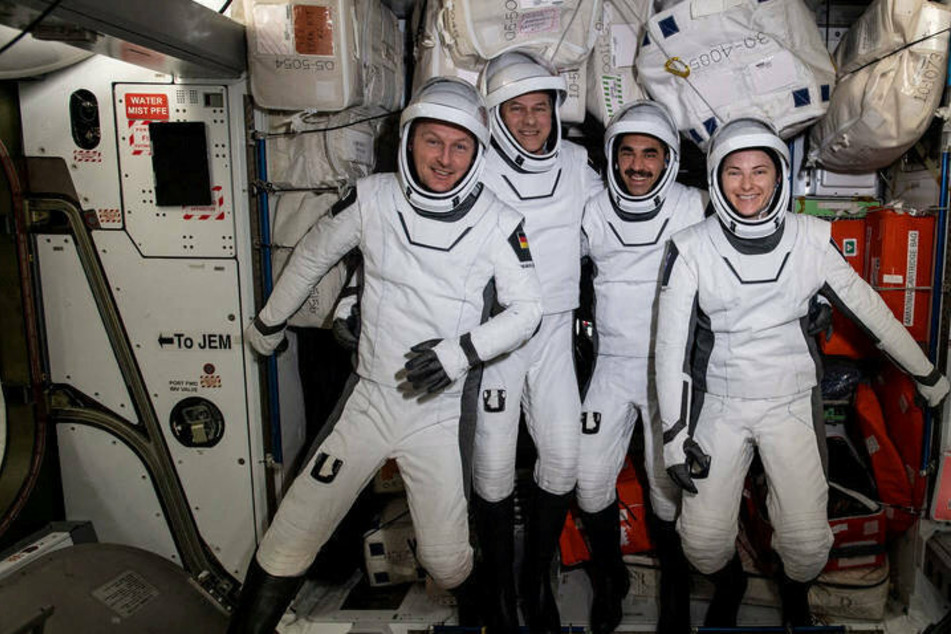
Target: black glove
<point>696,465</point>
<point>424,370</point>
<point>347,331</point>
<point>819,318</point>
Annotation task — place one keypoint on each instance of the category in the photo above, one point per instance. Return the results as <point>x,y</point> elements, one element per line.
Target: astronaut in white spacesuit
<point>736,371</point>
<point>432,240</point>
<point>548,181</point>
<point>626,228</point>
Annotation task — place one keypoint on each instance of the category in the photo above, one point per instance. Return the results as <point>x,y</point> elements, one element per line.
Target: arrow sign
<point>165,340</point>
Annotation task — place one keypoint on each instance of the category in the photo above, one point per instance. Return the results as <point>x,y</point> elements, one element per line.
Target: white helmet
<point>748,134</point>
<point>514,74</point>
<point>448,100</point>
<point>653,119</point>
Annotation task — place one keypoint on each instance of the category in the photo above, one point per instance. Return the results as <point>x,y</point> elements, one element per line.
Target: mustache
<point>641,173</point>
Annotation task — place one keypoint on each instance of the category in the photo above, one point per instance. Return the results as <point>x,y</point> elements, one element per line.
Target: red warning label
<point>146,106</point>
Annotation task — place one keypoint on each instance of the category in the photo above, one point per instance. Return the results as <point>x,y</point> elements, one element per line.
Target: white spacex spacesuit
<point>736,371</point>
<point>549,186</point>
<point>428,259</point>
<point>625,237</point>
<point>550,190</point>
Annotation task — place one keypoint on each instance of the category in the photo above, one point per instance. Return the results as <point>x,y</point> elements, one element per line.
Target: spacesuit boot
<point>264,599</point>
<point>794,596</point>
<point>495,526</point>
<point>730,586</point>
<point>608,572</point>
<point>468,605</point>
<point>674,579</point>
<point>541,540</point>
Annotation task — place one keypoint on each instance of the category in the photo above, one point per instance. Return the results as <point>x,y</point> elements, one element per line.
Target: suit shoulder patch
<point>519,243</point>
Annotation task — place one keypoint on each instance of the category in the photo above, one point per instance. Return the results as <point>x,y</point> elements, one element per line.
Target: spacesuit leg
<point>674,616</point>
<point>493,481</point>
<point>552,411</point>
<point>708,519</point>
<point>498,414</point>
<point>552,405</point>
<point>798,491</point>
<point>431,467</point>
<point>664,493</point>
<point>607,422</point>
<point>316,502</point>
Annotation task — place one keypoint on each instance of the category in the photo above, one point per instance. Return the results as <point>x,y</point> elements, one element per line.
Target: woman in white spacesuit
<point>737,372</point>
<point>548,181</point>
<point>433,239</point>
<point>626,228</point>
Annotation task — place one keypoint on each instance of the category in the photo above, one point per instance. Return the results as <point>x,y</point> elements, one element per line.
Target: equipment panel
<point>175,163</point>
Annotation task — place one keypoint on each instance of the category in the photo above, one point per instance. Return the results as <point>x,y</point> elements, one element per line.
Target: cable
<point>224,7</point>
<point>32,25</point>
<point>897,50</point>
<point>272,135</point>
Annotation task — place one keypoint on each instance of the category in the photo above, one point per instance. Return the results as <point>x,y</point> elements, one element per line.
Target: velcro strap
<point>931,380</point>
<point>266,330</point>
<point>671,433</point>
<point>465,341</point>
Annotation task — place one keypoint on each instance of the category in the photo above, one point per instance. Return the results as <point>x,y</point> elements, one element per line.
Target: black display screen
<point>180,163</point>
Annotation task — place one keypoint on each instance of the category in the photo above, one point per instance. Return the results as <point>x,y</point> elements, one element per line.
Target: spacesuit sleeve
<point>676,322</point>
<point>852,295</point>
<point>518,292</point>
<point>324,245</point>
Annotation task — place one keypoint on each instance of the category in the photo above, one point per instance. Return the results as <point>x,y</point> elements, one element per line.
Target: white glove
<point>936,391</point>
<point>263,338</point>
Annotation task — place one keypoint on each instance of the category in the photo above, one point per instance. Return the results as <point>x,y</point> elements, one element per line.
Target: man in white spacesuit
<point>736,371</point>
<point>432,239</point>
<point>626,228</point>
<point>548,181</point>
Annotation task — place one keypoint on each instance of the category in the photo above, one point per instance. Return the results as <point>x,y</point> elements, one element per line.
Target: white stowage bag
<point>294,215</point>
<point>612,80</point>
<point>433,60</point>
<point>573,109</point>
<point>325,55</point>
<point>711,61</point>
<point>432,57</point>
<point>886,95</point>
<point>561,31</point>
<point>306,157</point>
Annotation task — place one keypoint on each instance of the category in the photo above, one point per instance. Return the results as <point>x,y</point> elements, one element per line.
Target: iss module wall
<point>160,173</point>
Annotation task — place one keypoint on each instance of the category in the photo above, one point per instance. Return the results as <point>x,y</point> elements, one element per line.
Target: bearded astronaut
<point>737,372</point>
<point>626,228</point>
<point>547,181</point>
<point>432,239</point>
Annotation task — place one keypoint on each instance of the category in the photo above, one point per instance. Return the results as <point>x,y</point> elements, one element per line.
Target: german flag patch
<point>519,242</point>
